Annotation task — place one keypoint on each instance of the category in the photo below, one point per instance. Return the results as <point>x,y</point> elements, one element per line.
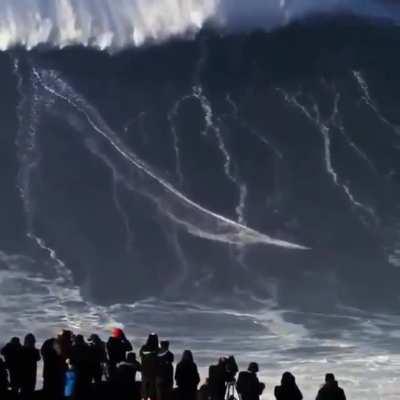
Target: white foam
<point>189,215</point>
<point>115,24</point>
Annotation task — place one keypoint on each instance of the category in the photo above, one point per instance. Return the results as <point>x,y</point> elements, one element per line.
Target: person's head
<point>66,335</point>
<point>164,345</point>
<point>117,333</point>
<point>30,340</point>
<point>187,356</point>
<point>15,341</point>
<point>253,367</point>
<point>93,338</point>
<point>330,378</point>
<point>152,342</point>
<point>79,340</point>
<point>222,361</point>
<point>288,379</point>
<point>131,357</point>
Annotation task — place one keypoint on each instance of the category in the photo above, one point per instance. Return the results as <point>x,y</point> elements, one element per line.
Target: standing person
<point>70,381</point>
<point>65,341</point>
<point>187,377</point>
<point>98,358</point>
<point>204,391</point>
<point>165,372</point>
<point>54,368</point>
<point>124,381</point>
<point>248,385</point>
<point>4,384</point>
<point>80,360</point>
<point>117,347</point>
<point>30,356</point>
<point>288,390</point>
<point>12,356</point>
<point>217,379</point>
<point>331,389</point>
<point>148,355</point>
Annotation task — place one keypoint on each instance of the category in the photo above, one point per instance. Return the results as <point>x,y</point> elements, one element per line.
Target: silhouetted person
<point>148,355</point>
<point>98,357</point>
<point>4,384</point>
<point>165,372</point>
<point>187,377</point>
<point>217,379</point>
<point>65,342</point>
<point>124,380</point>
<point>117,347</point>
<point>231,369</point>
<point>331,389</point>
<point>81,362</point>
<point>288,390</point>
<point>248,385</point>
<point>54,368</point>
<point>30,356</point>
<point>12,356</point>
<point>204,391</point>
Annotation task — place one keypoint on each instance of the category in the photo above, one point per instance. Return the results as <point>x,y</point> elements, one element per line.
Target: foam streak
<point>188,214</point>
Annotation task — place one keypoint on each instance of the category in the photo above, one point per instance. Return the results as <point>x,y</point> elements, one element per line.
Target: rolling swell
<point>172,187</point>
<point>165,187</point>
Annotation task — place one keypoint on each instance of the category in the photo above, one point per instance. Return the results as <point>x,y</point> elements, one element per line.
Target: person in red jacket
<point>117,348</point>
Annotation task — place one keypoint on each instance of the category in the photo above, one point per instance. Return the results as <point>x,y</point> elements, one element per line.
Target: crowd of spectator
<point>76,369</point>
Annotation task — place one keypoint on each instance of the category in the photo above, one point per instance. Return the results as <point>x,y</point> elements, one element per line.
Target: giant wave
<point>117,24</point>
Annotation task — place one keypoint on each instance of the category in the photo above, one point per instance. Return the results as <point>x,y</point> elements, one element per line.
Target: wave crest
<point>116,24</point>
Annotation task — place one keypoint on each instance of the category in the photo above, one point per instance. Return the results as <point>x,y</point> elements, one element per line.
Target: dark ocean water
<point>239,193</point>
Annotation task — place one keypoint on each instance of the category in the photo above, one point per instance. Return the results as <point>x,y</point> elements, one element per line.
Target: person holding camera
<point>248,386</point>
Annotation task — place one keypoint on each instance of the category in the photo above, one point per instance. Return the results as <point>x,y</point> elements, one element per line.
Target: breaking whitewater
<point>236,192</point>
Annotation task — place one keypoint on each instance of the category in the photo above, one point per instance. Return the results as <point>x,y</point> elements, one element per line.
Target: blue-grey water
<point>234,189</point>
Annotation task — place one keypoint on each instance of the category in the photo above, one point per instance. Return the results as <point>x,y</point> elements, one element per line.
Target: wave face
<point>116,24</point>
<point>237,193</point>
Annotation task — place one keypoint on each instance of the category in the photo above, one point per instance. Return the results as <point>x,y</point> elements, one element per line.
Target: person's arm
<point>342,395</point>
<point>197,376</point>
<point>239,384</point>
<point>127,344</point>
<point>177,375</point>
<point>261,388</point>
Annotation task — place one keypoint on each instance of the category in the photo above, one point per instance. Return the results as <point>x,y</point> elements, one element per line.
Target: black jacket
<point>165,368</point>
<point>248,386</point>
<point>149,357</point>
<point>331,391</point>
<point>3,377</point>
<point>117,349</point>
<point>12,355</point>
<point>187,376</point>
<point>288,393</point>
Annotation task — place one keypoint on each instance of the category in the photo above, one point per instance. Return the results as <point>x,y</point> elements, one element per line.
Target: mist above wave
<point>116,24</point>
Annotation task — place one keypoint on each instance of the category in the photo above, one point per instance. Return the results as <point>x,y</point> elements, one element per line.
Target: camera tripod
<point>230,390</point>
